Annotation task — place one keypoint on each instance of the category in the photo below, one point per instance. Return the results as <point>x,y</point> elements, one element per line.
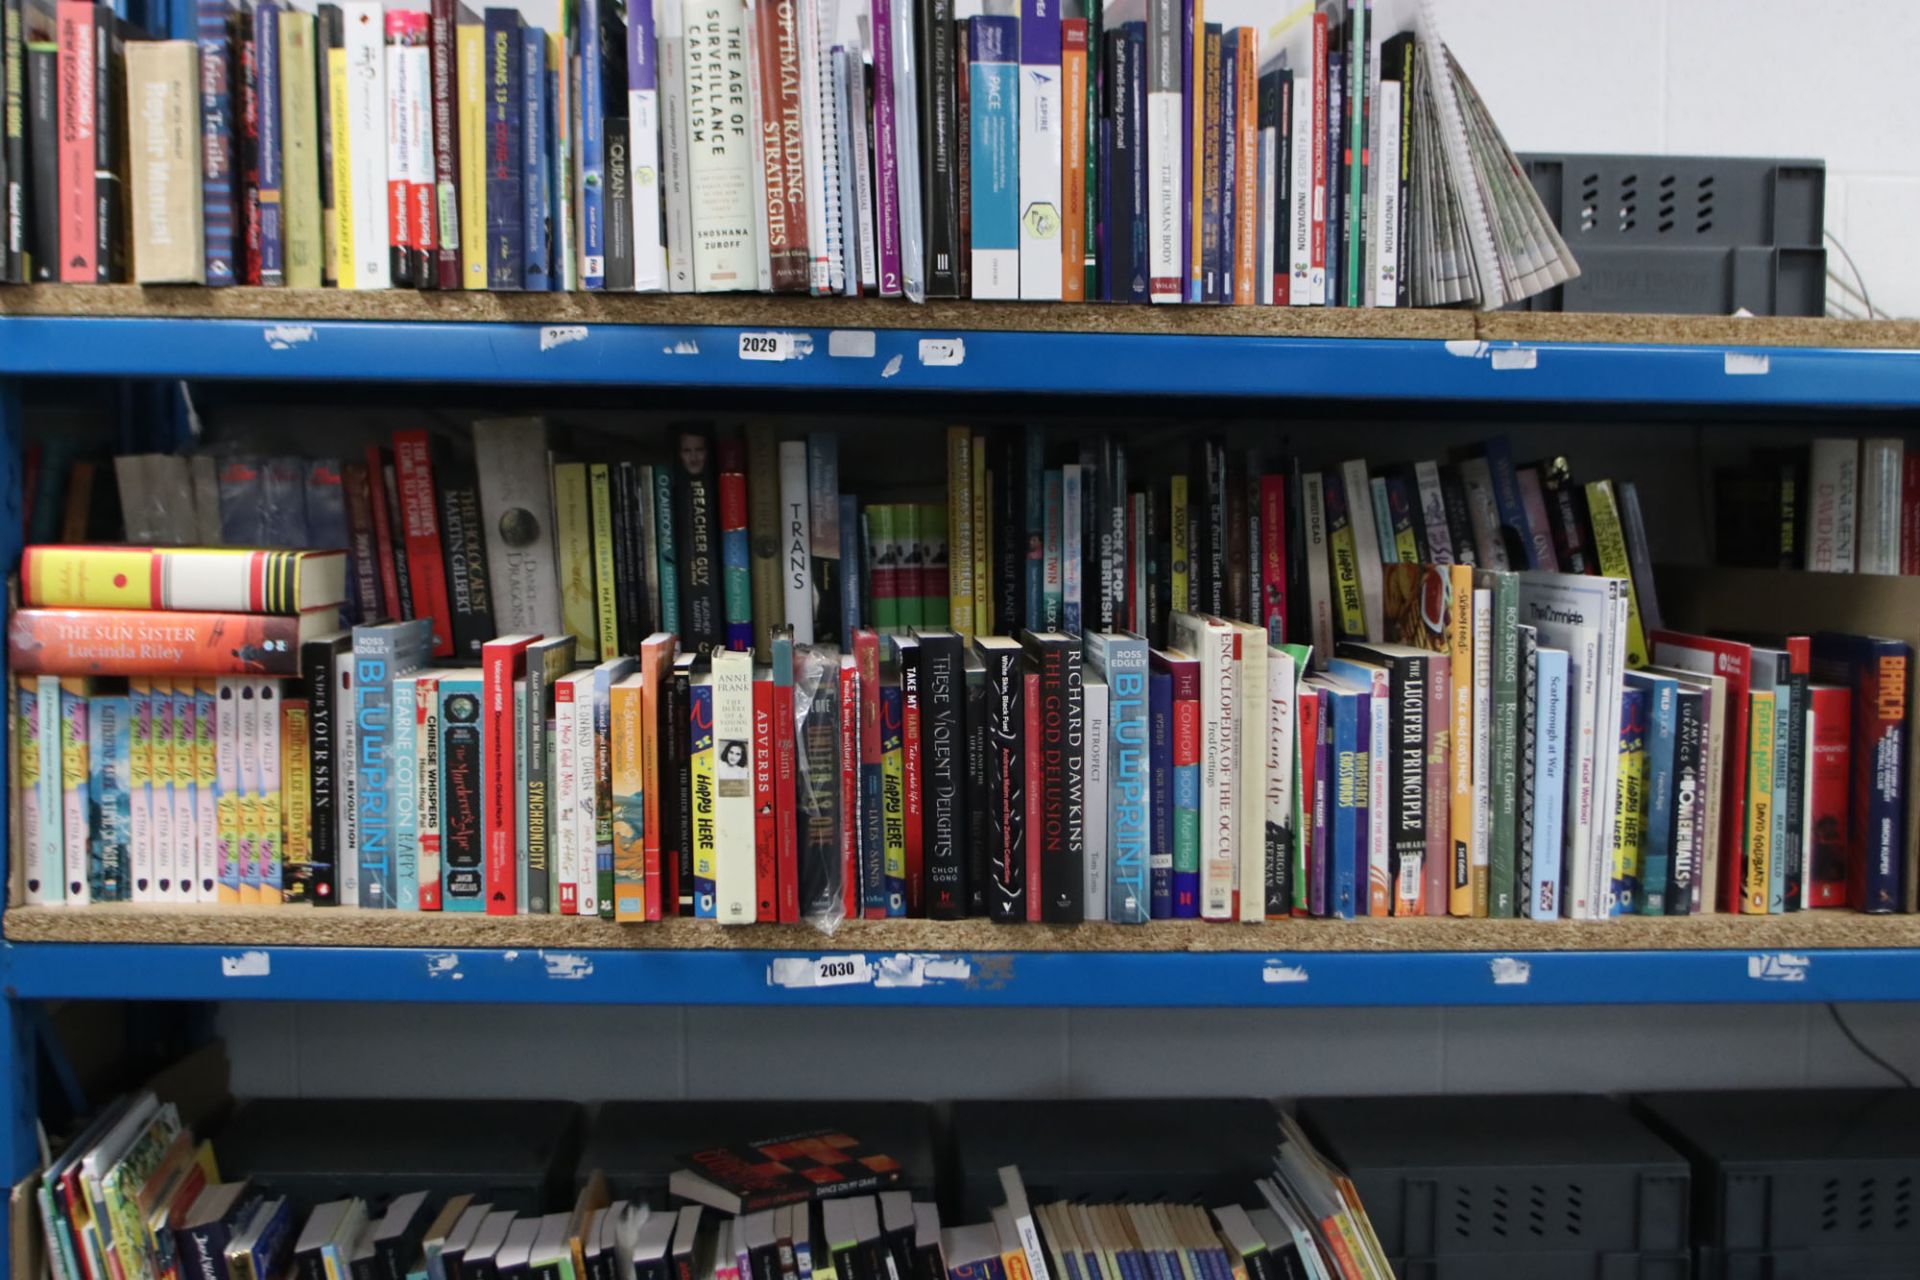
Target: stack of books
<point>1235,152</point>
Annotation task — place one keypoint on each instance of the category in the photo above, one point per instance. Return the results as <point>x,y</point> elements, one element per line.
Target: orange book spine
<point>1246,176</point>
<point>656,657</point>
<point>130,642</point>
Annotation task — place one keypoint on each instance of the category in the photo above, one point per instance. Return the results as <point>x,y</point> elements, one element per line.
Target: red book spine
<point>1306,713</point>
<point>765,826</point>
<point>446,149</point>
<point>787,856</point>
<point>1735,662</point>
<point>1273,557</point>
<point>1910,514</point>
<point>777,48</point>
<point>382,535</point>
<point>420,522</point>
<point>1032,735</point>
<point>850,785</point>
<point>138,642</point>
<point>418,112</point>
<point>79,214</point>
<point>501,663</point>
<point>911,783</point>
<point>1828,798</point>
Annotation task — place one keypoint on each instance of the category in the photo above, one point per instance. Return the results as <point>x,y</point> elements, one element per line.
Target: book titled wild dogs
<point>817,1164</point>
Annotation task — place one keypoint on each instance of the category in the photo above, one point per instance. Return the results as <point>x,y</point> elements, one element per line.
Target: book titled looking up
<point>812,1165</point>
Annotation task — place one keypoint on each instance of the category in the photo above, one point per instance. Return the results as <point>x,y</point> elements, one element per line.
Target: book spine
<point>44,876</point>
<point>1610,545</point>
<point>737,561</point>
<point>1828,796</point>
<point>1346,788</point>
<point>140,833</point>
<point>626,719</point>
<point>1463,802</point>
<point>78,211</point>
<point>566,790</point>
<point>404,783</point>
<point>216,141</point>
<point>75,790</point>
<point>942,726</point>
<point>719,161</point>
<point>766,838</point>
<point>994,195</point>
<point>501,664</point>
<point>266,94</point>
<point>913,761</point>
<point>1209,160</point>
<point>1504,817</point>
<point>939,147</point>
<point>109,797</point>
<point>1130,891</point>
<point>203,750</point>
<point>785,779</point>
<point>269,869</point>
<point>504,124</point>
<point>537,268</point>
<point>444,86</point>
<point>233,798</point>
<point>850,787</point>
<point>43,149</point>
<point>1006,783</point>
<point>1160,788</point>
<point>367,249</point>
<point>15,223</point>
<point>893,800</point>
<point>1759,817</point>
<point>124,642</point>
<point>373,677</point>
<point>1074,100</point>
<point>676,776</point>
<point>703,801</point>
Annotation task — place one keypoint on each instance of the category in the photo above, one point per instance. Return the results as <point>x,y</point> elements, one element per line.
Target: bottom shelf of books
<point>247,953</point>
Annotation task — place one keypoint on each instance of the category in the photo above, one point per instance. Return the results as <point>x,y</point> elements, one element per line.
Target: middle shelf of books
<point>528,668</point>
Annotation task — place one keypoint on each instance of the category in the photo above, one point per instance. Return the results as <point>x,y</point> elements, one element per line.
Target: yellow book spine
<point>566,268</point>
<point>1177,527</point>
<point>893,788</point>
<point>296,789</point>
<point>573,544</point>
<point>343,249</point>
<point>960,530</point>
<point>982,541</point>
<point>140,782</point>
<point>471,44</point>
<point>606,601</point>
<point>1610,546</point>
<point>210,819</point>
<point>1405,547</point>
<point>300,147</point>
<point>1629,820</point>
<point>1346,580</point>
<point>1759,803</point>
<point>1460,811</point>
<point>628,712</point>
<point>247,811</point>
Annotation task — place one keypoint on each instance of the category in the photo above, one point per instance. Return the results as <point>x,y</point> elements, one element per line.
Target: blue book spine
<point>1212,115</point>
<point>1520,535</point>
<point>1036,495</point>
<point>1103,219</point>
<point>1656,836</point>
<point>994,107</point>
<point>1549,781</point>
<point>1138,283</point>
<point>593,149</point>
<point>273,267</point>
<point>1383,518</point>
<point>505,123</point>
<point>373,664</point>
<point>851,548</point>
<point>110,765</point>
<point>533,158</point>
<point>406,798</point>
<point>1230,160</point>
<point>462,795</point>
<point>736,560</point>
<point>1347,817</point>
<point>216,138</point>
<point>700,725</point>
<point>1186,817</point>
<point>1159,793</point>
<point>1129,895</point>
<point>667,549</point>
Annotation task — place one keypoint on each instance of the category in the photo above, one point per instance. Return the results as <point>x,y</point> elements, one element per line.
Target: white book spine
<point>145,878</point>
<point>426,748</point>
<point>419,132</point>
<point>1282,693</point>
<point>643,169</point>
<point>586,844</point>
<point>734,896</point>
<point>1266,216</point>
<point>1881,468</point>
<point>806,31</point>
<point>1779,837</point>
<point>37,887</point>
<point>675,183</point>
<point>1835,485</point>
<point>52,845</point>
<point>1482,734</point>
<point>832,203</point>
<point>796,541</point>
<point>1433,512</point>
<point>566,782</point>
<point>267,791</point>
<point>1379,802</point>
<point>723,184</point>
<point>1549,784</point>
<point>1300,195</point>
<point>399,137</point>
<point>1040,230</point>
<point>1165,120</point>
<point>1094,891</point>
<point>367,142</point>
<point>1366,544</point>
<point>185,843</point>
<point>906,123</point>
<point>1250,663</point>
<point>1218,852</point>
<point>849,163</point>
<point>1319,583</point>
<point>166,859</point>
<point>1383,246</point>
<point>1606,771</point>
<point>248,745</point>
<point>859,114</point>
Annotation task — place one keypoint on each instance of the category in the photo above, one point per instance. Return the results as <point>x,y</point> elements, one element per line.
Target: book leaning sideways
<point>194,579</point>
<point>816,1164</point>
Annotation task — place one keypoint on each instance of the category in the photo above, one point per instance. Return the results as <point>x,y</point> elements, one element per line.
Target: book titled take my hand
<point>812,1165</point>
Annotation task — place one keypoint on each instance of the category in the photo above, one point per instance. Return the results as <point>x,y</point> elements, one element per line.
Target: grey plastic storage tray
<point>1800,1184</point>
<point>1686,235</point>
<point>1523,1187</point>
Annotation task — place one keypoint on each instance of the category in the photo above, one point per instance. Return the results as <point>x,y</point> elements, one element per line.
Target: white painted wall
<point>1776,78</point>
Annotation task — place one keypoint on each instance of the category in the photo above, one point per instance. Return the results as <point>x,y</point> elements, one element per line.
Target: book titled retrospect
<point>811,1165</point>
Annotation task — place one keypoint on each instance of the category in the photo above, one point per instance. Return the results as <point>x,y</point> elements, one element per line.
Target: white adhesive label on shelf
<point>775,346</point>
<point>248,964</point>
<point>567,965</point>
<point>444,964</point>
<point>852,344</point>
<point>1748,363</point>
<point>1509,972</point>
<point>285,337</point>
<point>800,973</point>
<point>684,347</point>
<point>1515,358</point>
<point>1275,971</point>
<point>893,367</point>
<point>560,335</point>
<point>943,353</point>
<point>1777,966</point>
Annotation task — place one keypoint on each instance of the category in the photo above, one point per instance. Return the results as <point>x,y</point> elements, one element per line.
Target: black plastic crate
<point>638,1145</point>
<point>1686,235</point>
<point>1197,1151</point>
<point>512,1154</point>
<point>1526,1187</point>
<point>1800,1183</point>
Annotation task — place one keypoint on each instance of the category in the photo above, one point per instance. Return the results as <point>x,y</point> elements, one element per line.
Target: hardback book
<point>1404,798</point>
<point>191,579</point>
<point>1833,505</point>
<point>1006,776</point>
<point>1877,669</point>
<point>303,237</point>
<point>942,735</point>
<point>129,642</point>
<point>510,458</point>
<point>462,792</point>
<point>163,82</point>
<point>1829,794</point>
<point>817,1164</point>
<point>547,661</point>
<point>1095,791</point>
<point>696,520</point>
<point>723,185</point>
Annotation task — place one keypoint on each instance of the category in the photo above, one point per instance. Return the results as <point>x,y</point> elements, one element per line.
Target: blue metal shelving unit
<point>904,360</point>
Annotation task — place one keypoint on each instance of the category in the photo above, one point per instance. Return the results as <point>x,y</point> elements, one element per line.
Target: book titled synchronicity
<point>720,686</point>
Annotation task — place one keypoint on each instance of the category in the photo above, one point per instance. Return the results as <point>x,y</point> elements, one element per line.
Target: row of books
<point>136,1195</point>
<point>1131,150</point>
<point>1496,754</point>
<point>1836,506</point>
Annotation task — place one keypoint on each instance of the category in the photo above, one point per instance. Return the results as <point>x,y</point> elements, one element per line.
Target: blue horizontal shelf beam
<point>957,980</point>
<point>914,360</point>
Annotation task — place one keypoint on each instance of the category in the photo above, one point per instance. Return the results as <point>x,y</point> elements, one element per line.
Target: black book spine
<point>1407,771</point>
<point>109,84</point>
<point>625,568</point>
<point>329,32</point>
<point>677,753</point>
<point>1159,569</point>
<point>1009,515</point>
<point>619,222</point>
<point>402,566</point>
<point>979,804</point>
<point>1299,603</point>
<point>202,1251</point>
<point>13,141</point>
<point>1690,799</point>
<point>943,807</point>
<point>1006,783</point>
<point>697,530</point>
<point>818,800</point>
<point>43,138</point>
<point>1453,496</point>
<point>464,542</point>
<point>1218,529</point>
<point>1062,782</point>
<point>315,879</point>
<point>634,550</point>
<point>1121,159</point>
<point>1566,518</point>
<point>938,123</point>
<point>1113,535</point>
<point>764,1260</point>
<point>462,849</point>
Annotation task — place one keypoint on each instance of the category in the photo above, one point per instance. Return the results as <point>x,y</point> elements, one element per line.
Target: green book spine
<point>605,597</point>
<point>1503,824</point>
<point>884,555</point>
<point>935,606</point>
<point>911,559</point>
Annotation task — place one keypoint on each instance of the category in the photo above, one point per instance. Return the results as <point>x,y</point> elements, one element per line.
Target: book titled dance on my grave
<point>811,1165</point>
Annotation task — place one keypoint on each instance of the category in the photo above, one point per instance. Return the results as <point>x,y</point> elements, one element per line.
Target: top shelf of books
<point>757,342</point>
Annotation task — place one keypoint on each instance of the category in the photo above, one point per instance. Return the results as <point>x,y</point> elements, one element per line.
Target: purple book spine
<point>216,140</point>
<point>641,72</point>
<point>886,161</point>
